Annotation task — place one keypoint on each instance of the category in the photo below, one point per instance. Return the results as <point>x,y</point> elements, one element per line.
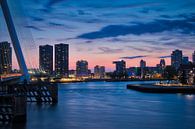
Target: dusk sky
<point>101,31</point>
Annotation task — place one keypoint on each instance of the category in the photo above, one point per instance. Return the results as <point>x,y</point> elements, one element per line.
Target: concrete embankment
<point>151,88</point>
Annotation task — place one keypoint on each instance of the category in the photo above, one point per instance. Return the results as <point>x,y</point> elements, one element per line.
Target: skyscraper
<point>99,71</point>
<point>46,58</point>
<point>185,60</point>
<point>5,58</point>
<point>142,64</point>
<point>120,66</point>
<point>62,59</point>
<point>193,58</point>
<point>176,59</point>
<point>162,63</point>
<point>81,68</point>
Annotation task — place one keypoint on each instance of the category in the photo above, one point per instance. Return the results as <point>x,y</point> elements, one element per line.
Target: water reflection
<point>190,97</point>
<point>107,105</point>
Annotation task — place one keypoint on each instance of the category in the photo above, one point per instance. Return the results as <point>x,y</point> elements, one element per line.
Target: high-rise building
<point>185,60</point>
<point>142,66</point>
<point>176,59</point>
<point>82,68</point>
<point>193,58</point>
<point>162,63</point>
<point>160,67</point>
<point>46,58</point>
<point>120,66</point>
<point>62,59</point>
<point>5,58</point>
<point>99,71</point>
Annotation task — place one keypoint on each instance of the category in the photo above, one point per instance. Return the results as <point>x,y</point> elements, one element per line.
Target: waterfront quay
<point>14,99</point>
<point>169,88</point>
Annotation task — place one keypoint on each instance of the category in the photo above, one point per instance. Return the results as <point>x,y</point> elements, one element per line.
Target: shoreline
<point>152,88</point>
<point>110,80</point>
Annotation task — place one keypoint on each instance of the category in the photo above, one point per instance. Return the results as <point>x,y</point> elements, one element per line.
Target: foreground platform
<point>152,88</point>
<point>14,98</point>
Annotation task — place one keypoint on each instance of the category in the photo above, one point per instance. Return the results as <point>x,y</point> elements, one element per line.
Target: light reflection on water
<point>109,105</point>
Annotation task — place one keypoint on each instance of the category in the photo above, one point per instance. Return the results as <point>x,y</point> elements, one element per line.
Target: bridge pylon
<point>14,39</point>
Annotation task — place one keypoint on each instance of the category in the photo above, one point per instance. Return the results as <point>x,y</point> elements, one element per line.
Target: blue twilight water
<point>109,105</point>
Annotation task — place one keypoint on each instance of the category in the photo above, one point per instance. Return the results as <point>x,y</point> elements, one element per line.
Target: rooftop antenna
<point>15,40</point>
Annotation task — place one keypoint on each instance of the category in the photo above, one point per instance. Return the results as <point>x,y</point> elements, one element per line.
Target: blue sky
<point>101,31</point>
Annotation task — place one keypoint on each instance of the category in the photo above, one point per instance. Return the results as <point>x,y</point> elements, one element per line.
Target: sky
<point>102,31</point>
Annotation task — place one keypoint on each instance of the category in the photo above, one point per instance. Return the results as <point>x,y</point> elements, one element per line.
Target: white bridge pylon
<point>14,39</point>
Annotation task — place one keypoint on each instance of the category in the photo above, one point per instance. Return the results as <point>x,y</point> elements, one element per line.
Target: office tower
<point>120,66</point>
<point>142,67</point>
<point>99,71</point>
<point>62,59</point>
<point>176,59</point>
<point>5,58</point>
<point>162,63</point>
<point>193,58</point>
<point>82,68</point>
<point>185,60</point>
<point>46,58</point>
<point>142,64</point>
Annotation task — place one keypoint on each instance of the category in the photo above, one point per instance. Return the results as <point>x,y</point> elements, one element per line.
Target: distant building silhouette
<point>5,58</point>
<point>99,71</point>
<point>72,73</point>
<point>120,66</point>
<point>46,58</point>
<point>193,58</point>
<point>160,67</point>
<point>162,63</point>
<point>142,66</point>
<point>176,59</point>
<point>185,60</point>
<point>82,68</point>
<point>62,59</point>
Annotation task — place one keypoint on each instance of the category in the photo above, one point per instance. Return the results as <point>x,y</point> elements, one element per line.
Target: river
<point>109,105</point>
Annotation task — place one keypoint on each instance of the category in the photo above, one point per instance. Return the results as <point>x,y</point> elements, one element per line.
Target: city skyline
<point>57,60</point>
<point>94,31</point>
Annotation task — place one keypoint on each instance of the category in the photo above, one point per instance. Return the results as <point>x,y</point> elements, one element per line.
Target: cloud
<point>185,26</point>
<point>147,10</point>
<point>121,5</point>
<point>132,57</point>
<point>51,3</point>
<point>107,50</point>
<point>169,56</point>
<point>55,24</point>
<point>61,26</point>
<point>34,28</point>
<point>140,49</point>
<point>37,19</point>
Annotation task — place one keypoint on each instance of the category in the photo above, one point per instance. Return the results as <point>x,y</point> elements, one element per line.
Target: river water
<point>109,105</point>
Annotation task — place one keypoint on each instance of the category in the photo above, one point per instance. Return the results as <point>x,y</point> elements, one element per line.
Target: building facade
<point>162,63</point>
<point>142,64</point>
<point>46,58</point>
<point>5,58</point>
<point>193,58</point>
<point>82,68</point>
<point>176,59</point>
<point>62,59</point>
<point>99,71</point>
<point>142,67</point>
<point>120,66</point>
<point>185,60</point>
